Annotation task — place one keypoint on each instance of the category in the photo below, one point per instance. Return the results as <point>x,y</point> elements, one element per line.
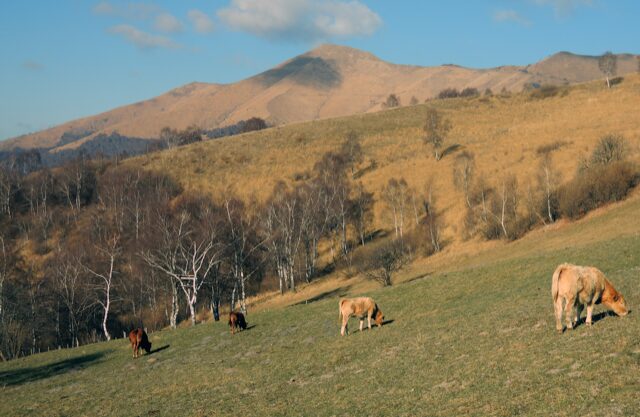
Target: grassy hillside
<point>503,133</point>
<point>474,338</point>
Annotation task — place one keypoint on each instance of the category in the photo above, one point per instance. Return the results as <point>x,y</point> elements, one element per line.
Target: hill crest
<point>325,82</point>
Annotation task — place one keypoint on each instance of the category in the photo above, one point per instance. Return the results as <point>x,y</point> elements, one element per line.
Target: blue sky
<point>65,59</point>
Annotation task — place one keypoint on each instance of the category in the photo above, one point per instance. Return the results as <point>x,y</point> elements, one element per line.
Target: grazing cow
<point>580,286</point>
<point>139,339</point>
<point>359,307</point>
<point>237,321</point>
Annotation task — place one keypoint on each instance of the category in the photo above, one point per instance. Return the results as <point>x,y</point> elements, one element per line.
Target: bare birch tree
<point>436,129</point>
<point>110,251</point>
<point>608,64</point>
<point>549,180</point>
<point>187,254</point>
<point>463,172</point>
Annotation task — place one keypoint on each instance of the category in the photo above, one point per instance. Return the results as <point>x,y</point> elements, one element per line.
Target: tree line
<point>93,248</point>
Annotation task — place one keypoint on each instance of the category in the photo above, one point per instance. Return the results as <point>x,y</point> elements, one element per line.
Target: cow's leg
<point>369,320</point>
<point>579,308</point>
<point>344,329</point>
<point>361,323</point>
<point>557,306</point>
<point>589,313</point>
<point>571,304</point>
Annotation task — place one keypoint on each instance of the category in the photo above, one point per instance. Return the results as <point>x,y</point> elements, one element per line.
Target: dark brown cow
<point>139,339</point>
<point>237,321</point>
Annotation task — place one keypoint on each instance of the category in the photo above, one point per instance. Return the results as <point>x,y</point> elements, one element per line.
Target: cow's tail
<point>554,282</point>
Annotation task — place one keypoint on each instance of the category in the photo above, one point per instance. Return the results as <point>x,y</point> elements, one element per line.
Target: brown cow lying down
<point>359,307</point>
<point>237,321</point>
<point>139,339</point>
<point>580,286</point>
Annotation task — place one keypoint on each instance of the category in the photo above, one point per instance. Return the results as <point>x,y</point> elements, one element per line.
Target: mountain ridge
<point>327,81</point>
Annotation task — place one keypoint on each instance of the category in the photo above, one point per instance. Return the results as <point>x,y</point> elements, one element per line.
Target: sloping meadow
<point>479,341</point>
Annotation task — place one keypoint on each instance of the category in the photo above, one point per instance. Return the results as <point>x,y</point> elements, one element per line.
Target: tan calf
<point>579,286</point>
<point>359,307</point>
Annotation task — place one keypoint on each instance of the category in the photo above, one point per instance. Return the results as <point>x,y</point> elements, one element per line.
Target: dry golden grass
<point>502,133</point>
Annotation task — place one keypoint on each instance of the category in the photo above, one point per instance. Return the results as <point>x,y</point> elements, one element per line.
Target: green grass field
<point>476,341</point>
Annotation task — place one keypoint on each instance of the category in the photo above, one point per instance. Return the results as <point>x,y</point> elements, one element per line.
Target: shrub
<point>597,186</point>
<point>378,261</point>
<point>550,147</point>
<point>610,148</point>
<point>469,92</point>
<point>448,93</point>
<point>616,81</point>
<point>392,101</point>
<point>545,91</point>
<point>250,125</point>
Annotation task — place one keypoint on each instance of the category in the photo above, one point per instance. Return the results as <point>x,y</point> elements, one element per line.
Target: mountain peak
<point>340,53</point>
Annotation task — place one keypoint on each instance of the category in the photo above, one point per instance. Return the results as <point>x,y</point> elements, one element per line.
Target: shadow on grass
<point>595,318</point>
<point>249,327</point>
<point>160,349</point>
<point>22,376</point>
<point>373,326</point>
<point>338,292</point>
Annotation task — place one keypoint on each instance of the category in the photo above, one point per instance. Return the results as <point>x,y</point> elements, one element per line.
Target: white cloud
<point>167,23</point>
<point>564,7</point>
<point>301,19</point>
<point>201,22</point>
<point>143,40</point>
<point>510,16</point>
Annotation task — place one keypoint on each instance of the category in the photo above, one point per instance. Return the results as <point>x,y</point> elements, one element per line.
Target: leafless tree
<point>284,223</point>
<point>243,245</point>
<point>8,190</point>
<point>432,217</point>
<point>436,129</point>
<point>610,148</point>
<point>608,63</point>
<point>189,250</point>
<point>505,204</point>
<point>381,260</point>
<point>352,151</point>
<point>549,180</point>
<point>77,184</point>
<point>109,251</point>
<point>169,137</point>
<point>392,101</point>
<point>362,211</point>
<point>396,196</point>
<point>72,289</point>
<point>7,260</point>
<point>330,172</point>
<point>463,171</point>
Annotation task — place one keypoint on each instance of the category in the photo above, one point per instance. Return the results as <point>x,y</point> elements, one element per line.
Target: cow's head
<point>614,300</point>
<point>379,318</point>
<point>619,305</point>
<point>146,347</point>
